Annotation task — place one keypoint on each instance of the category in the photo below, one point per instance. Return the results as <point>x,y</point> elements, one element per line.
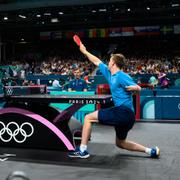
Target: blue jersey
<point>118,83</point>
<point>77,85</point>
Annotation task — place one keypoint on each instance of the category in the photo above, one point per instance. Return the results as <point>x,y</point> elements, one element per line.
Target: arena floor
<point>106,161</point>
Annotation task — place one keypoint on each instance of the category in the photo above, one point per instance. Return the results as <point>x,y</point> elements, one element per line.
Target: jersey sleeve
<point>105,71</point>
<point>127,80</point>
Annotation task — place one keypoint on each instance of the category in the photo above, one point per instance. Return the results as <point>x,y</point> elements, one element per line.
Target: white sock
<point>83,147</point>
<point>148,151</point>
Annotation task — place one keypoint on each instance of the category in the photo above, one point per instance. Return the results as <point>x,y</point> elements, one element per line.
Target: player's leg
<point>130,145</point>
<point>81,152</point>
<point>88,120</point>
<point>121,142</point>
<point>125,122</point>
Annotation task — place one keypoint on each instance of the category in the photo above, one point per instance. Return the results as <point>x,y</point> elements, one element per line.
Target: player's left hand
<point>130,88</point>
<point>133,88</point>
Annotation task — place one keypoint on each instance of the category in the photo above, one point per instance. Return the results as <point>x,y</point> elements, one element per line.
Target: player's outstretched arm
<point>90,56</point>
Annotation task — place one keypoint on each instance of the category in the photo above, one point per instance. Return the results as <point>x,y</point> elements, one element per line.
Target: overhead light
<point>21,16</point>
<point>5,18</point>
<point>175,5</point>
<point>61,13</point>
<point>148,8</point>
<point>47,14</point>
<point>102,10</point>
<point>22,41</point>
<point>38,15</point>
<point>54,20</point>
<point>129,9</point>
<point>117,9</point>
<point>93,11</point>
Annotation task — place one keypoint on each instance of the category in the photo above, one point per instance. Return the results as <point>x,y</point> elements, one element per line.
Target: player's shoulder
<point>123,74</point>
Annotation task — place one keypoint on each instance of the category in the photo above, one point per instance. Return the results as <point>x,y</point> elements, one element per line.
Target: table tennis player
<point>122,115</point>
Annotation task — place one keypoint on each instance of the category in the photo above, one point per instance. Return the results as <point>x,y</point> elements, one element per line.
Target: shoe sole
<point>82,157</point>
<point>158,151</point>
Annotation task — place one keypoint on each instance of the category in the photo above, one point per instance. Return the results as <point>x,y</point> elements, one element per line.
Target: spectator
<point>56,84</point>
<point>153,81</point>
<point>163,80</point>
<point>77,84</point>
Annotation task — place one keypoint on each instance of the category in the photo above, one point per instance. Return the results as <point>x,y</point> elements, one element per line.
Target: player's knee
<point>120,143</point>
<point>87,118</point>
<point>90,118</point>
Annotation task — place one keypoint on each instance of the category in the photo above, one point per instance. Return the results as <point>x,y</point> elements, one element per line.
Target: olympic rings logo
<point>9,91</point>
<point>12,130</point>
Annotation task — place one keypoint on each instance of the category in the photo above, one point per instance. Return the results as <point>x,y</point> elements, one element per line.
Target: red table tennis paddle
<point>77,40</point>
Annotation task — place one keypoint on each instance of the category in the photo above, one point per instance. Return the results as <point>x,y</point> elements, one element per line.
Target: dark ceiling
<point>65,14</point>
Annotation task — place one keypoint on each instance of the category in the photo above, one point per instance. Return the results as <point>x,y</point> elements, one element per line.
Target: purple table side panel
<point>42,120</point>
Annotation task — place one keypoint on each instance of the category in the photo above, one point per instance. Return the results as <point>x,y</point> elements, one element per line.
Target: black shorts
<point>121,117</point>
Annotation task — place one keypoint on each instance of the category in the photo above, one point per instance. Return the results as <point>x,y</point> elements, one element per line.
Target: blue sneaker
<point>155,152</point>
<point>78,154</point>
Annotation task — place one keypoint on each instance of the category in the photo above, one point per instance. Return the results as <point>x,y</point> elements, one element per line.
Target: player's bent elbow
<point>138,88</point>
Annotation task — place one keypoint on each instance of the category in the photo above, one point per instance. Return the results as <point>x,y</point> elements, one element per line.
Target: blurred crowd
<point>58,65</point>
<point>153,65</point>
<point>158,67</point>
